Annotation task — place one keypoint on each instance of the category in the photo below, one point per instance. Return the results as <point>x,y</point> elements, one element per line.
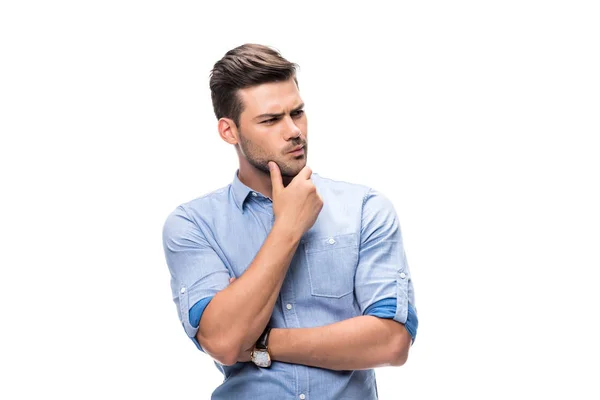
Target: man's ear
<point>228,130</point>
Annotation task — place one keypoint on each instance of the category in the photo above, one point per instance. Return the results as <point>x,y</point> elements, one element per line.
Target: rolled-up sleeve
<point>382,273</point>
<point>197,271</point>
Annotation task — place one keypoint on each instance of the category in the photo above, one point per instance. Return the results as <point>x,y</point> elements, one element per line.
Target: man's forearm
<point>362,342</point>
<point>237,315</point>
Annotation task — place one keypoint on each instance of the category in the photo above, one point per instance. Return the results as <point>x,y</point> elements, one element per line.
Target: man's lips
<point>296,149</point>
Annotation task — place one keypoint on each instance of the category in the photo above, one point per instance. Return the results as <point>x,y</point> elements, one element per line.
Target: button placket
<point>288,300</point>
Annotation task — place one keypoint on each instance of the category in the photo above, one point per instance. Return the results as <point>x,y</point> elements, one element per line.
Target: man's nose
<point>291,130</point>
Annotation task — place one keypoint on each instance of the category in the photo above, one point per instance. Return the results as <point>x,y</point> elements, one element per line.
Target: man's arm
<point>237,315</point>
<point>362,342</point>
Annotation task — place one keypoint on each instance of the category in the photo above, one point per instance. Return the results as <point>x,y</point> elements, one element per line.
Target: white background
<point>479,120</point>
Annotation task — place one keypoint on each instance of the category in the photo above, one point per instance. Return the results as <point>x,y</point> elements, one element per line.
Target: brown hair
<point>245,66</point>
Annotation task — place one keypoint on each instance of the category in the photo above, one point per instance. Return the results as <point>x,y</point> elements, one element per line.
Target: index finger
<point>276,180</point>
<point>304,173</point>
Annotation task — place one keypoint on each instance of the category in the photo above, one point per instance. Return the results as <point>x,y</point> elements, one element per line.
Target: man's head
<point>256,100</point>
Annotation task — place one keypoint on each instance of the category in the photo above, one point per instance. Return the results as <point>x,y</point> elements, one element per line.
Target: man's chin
<point>292,171</point>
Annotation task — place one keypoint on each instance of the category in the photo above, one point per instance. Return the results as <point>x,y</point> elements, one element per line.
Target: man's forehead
<point>270,97</point>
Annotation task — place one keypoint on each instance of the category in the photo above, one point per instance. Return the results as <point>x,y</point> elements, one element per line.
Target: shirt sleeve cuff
<point>196,314</point>
<point>386,308</point>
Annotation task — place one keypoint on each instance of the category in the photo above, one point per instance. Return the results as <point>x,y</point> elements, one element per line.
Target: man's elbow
<point>400,358</point>
<point>220,350</point>
<point>228,360</point>
<point>400,348</point>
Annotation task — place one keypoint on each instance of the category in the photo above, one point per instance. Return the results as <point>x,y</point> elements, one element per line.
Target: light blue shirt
<point>350,263</point>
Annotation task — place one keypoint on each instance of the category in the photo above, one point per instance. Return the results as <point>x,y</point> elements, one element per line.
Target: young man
<point>296,285</point>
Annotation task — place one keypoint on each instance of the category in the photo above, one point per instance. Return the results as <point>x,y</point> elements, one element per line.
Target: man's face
<point>273,117</point>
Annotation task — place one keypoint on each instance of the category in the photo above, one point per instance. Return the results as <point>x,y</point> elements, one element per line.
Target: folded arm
<point>362,342</point>
<point>224,318</point>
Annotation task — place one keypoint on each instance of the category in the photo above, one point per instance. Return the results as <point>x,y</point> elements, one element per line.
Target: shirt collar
<point>240,191</point>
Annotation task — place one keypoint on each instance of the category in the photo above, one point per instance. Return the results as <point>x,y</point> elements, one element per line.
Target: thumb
<point>276,181</point>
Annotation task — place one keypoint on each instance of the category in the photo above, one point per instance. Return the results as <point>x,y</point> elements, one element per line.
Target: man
<point>296,285</point>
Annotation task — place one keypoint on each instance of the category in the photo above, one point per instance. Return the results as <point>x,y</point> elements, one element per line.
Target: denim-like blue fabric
<point>386,308</point>
<point>195,314</point>
<point>351,259</point>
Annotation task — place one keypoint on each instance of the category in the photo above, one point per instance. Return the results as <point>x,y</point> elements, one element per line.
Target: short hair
<point>245,66</point>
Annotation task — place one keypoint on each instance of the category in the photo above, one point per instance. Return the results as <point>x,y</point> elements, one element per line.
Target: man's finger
<point>304,173</point>
<point>276,181</point>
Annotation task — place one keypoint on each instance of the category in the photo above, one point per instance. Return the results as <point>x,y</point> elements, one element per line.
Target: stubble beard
<point>260,160</point>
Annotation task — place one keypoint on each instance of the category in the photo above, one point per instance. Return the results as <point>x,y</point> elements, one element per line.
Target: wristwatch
<point>260,354</point>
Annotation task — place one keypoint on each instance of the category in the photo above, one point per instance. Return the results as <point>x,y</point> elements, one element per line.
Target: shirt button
<point>331,241</point>
<point>182,290</point>
<point>288,306</point>
<point>302,396</point>
<point>254,194</point>
<point>402,275</point>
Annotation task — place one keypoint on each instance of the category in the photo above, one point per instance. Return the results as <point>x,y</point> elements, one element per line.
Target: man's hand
<point>298,205</point>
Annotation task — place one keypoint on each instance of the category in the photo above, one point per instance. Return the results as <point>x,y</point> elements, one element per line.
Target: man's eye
<point>298,113</point>
<point>269,121</point>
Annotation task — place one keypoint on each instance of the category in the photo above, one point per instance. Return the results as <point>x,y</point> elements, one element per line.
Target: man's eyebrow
<point>268,115</point>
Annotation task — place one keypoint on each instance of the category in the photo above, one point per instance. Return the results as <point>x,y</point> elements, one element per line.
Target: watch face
<point>261,358</point>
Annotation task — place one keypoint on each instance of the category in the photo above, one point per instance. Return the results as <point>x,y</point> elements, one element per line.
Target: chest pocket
<point>331,263</point>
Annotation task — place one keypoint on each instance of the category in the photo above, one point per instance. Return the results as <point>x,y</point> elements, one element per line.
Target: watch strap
<point>263,339</point>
